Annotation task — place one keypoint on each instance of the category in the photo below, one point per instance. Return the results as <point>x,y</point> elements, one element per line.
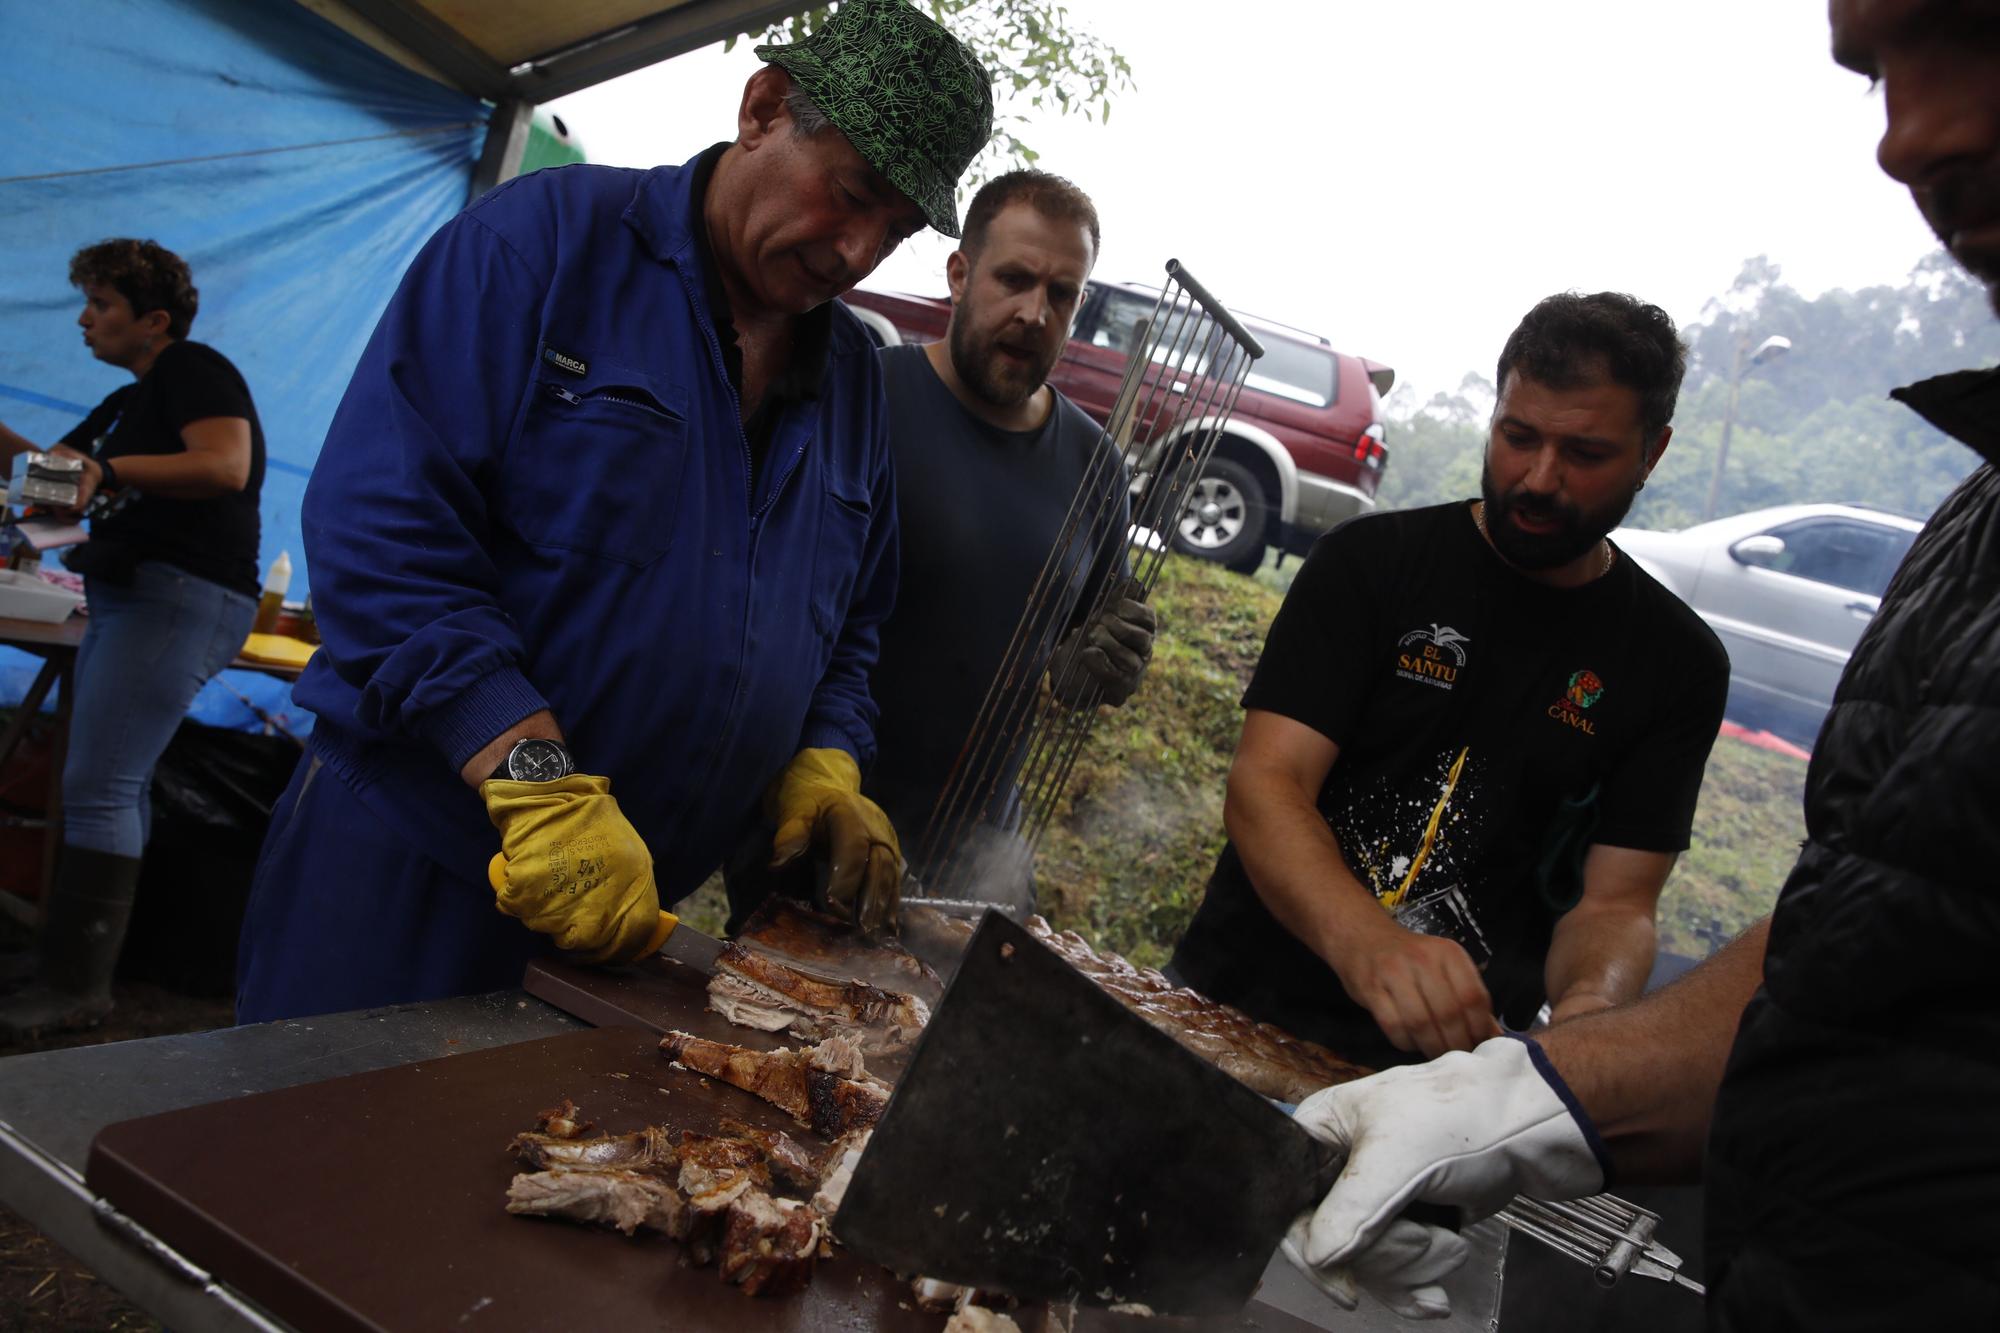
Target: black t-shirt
<point>214,538</point>
<point>1491,729</point>
<point>979,510</point>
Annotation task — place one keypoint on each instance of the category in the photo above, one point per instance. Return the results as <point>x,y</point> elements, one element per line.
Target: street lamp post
<point>1772,347</point>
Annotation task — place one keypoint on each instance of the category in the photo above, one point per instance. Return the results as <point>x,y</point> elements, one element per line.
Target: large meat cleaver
<point>1045,1141</point>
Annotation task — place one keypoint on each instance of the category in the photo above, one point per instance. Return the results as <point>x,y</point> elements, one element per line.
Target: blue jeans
<point>148,649</point>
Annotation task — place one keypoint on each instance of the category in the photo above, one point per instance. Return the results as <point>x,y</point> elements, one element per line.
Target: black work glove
<point>1110,651</point>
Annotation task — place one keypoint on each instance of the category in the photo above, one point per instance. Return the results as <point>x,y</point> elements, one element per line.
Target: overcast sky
<point>1408,178</point>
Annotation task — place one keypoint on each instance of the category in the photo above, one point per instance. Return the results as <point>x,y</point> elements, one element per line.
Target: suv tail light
<point>1369,451</point>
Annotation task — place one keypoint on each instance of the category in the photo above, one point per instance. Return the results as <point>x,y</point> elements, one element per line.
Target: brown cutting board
<point>377,1201</point>
<point>653,993</point>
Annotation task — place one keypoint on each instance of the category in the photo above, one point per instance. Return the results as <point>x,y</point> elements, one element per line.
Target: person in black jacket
<point>1837,1068</point>
<point>171,578</point>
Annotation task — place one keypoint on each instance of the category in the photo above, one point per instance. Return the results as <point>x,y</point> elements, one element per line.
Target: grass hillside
<point>1141,823</point>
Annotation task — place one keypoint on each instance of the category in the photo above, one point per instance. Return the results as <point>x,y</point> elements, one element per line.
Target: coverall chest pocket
<point>598,464</point>
<point>845,513</point>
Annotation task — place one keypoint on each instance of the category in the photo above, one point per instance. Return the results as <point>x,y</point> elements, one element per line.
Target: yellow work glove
<point>571,867</point>
<point>817,803</point>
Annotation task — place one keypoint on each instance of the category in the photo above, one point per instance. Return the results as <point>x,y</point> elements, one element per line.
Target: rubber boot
<point>89,909</point>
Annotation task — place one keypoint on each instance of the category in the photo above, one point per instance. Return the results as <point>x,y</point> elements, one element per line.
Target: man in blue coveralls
<point>609,502</point>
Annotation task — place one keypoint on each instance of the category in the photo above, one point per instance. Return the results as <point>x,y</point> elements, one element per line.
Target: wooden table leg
<point>52,834</point>
<point>55,667</point>
<point>31,704</point>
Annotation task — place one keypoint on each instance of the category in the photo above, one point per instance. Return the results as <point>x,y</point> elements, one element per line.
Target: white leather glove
<point>1402,1269</point>
<point>1471,1129</point>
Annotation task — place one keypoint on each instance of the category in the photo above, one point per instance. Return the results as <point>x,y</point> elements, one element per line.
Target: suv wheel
<point>1225,517</point>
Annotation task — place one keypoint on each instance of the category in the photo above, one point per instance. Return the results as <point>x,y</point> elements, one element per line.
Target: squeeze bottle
<point>276,581</point>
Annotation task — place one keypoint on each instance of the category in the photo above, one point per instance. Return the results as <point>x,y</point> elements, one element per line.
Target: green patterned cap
<point>907,94</point>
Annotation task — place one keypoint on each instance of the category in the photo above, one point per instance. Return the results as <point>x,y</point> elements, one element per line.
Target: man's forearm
<point>1647,1073</point>
<point>1598,959</point>
<point>1295,865</point>
<point>184,476</point>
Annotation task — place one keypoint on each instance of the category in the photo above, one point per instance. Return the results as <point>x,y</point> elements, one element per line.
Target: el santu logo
<point>1434,655</point>
<point>1585,688</point>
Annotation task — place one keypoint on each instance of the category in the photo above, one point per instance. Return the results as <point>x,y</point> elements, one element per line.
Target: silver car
<point>1788,591</point>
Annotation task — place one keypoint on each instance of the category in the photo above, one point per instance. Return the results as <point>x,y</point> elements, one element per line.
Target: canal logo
<point>1434,655</point>
<point>1584,689</point>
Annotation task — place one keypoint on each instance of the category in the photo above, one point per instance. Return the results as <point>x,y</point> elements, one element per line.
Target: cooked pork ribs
<point>563,1122</point>
<point>792,1165</point>
<point>713,1191</point>
<point>821,1086</point>
<point>612,1197</point>
<point>756,991</point>
<point>791,932</point>
<point>768,1244</point>
<point>637,1151</point>
<point>837,1170</point>
<point>1266,1059</point>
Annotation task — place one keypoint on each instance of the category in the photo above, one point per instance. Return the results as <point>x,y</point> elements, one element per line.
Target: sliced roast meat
<point>642,1149</point>
<point>626,1200</point>
<point>793,1167</point>
<point>826,1103</point>
<point>1264,1058</point>
<point>792,932</point>
<point>711,1166</point>
<point>757,991</point>
<point>841,1160</point>
<point>563,1122</point>
<point>768,1245</point>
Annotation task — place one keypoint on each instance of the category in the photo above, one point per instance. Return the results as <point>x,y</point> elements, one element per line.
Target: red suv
<point>1303,450</point>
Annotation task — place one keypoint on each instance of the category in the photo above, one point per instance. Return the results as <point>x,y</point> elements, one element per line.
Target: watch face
<point>537,761</point>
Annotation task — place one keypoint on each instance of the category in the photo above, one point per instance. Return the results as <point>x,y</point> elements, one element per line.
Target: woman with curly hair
<point>171,581</point>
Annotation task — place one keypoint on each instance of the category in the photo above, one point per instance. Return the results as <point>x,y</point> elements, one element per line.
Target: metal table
<point>53,1104</point>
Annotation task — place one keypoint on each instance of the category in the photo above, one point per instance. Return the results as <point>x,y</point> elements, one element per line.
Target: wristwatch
<point>534,760</point>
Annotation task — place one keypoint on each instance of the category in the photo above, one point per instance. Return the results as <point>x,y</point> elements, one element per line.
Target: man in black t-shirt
<point>1476,734</point>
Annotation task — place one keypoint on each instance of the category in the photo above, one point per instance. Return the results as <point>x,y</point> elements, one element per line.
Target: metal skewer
<point>1612,1235</point>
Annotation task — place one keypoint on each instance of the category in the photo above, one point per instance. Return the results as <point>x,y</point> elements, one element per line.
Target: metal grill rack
<point>1611,1235</point>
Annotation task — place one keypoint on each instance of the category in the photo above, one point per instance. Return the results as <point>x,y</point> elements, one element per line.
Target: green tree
<point>1038,57</point>
<point>1435,448</point>
<point>1817,424</point>
<point>1814,425</point>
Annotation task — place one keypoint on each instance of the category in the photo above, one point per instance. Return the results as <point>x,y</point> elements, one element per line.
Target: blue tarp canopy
<point>297,170</point>
<point>294,168</point>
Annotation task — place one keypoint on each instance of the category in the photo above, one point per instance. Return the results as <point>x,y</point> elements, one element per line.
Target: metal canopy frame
<point>659,32</point>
